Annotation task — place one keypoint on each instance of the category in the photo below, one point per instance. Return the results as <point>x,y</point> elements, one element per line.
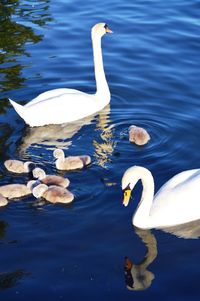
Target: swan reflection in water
<point>60,136</point>
<point>51,136</point>
<point>137,276</point>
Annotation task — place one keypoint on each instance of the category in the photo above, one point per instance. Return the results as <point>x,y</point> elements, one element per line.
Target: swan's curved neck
<point>101,83</point>
<point>141,218</point>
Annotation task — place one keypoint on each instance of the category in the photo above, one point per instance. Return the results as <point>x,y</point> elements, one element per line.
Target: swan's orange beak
<point>108,30</point>
<point>128,263</point>
<point>127,195</point>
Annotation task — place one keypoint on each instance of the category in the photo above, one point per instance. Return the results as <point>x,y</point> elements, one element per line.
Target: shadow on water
<point>137,276</point>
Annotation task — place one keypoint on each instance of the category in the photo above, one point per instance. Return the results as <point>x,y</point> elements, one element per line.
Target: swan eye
<point>107,30</point>
<point>127,188</point>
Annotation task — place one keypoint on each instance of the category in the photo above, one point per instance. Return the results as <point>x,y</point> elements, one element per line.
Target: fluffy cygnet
<point>53,194</point>
<point>40,174</point>
<point>32,183</point>
<point>71,162</point>
<point>138,135</point>
<point>18,166</point>
<point>3,201</point>
<point>12,191</point>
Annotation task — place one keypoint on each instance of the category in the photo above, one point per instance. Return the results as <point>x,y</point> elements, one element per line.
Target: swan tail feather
<point>18,108</point>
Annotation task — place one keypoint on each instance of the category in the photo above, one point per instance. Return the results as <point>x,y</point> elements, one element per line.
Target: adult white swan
<point>177,202</point>
<point>66,105</point>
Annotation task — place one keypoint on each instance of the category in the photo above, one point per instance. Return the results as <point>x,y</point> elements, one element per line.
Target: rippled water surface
<point>152,67</point>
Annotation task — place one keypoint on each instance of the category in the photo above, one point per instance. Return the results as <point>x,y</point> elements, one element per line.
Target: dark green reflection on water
<point>14,36</point>
<point>10,279</point>
<point>3,227</point>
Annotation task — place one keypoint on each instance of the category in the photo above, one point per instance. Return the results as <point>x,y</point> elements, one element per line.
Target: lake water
<point>153,69</point>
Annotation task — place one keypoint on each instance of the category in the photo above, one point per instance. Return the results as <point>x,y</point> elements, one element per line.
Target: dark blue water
<point>153,68</point>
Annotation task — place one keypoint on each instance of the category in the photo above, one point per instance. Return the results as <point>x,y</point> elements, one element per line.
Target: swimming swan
<point>66,105</point>
<point>177,202</point>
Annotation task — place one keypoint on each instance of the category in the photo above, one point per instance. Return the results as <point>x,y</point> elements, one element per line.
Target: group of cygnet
<point>52,188</point>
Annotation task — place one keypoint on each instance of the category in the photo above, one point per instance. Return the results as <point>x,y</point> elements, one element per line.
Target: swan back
<point>177,200</point>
